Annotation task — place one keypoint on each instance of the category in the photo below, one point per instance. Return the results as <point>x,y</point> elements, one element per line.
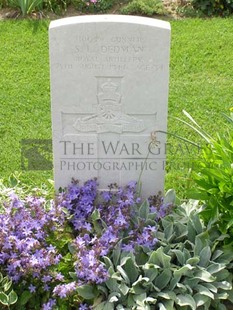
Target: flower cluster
<point>24,226</point>
<point>101,221</point>
<point>64,290</point>
<point>79,201</point>
<point>90,2</point>
<point>88,265</point>
<point>92,224</point>
<point>159,207</point>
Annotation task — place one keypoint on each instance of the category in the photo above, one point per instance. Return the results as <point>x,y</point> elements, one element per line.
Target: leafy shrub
<point>92,6</point>
<point>213,7</point>
<point>213,176</point>
<point>29,6</point>
<point>110,250</point>
<point>56,6</point>
<point>26,6</point>
<point>14,184</point>
<point>187,271</point>
<point>4,4</point>
<point>144,7</point>
<point>7,296</point>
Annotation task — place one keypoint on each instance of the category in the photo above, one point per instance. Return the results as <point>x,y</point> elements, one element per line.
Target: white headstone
<point>109,89</point>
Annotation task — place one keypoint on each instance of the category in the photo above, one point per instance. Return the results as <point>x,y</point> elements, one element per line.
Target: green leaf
<point>181,230</point>
<point>120,307</point>
<point>4,299</point>
<point>223,295</point>
<point>116,275</point>
<point>163,279</point>
<point>140,299</point>
<point>95,215</point>
<point>73,275</point>
<point>151,271</point>
<point>224,285</point>
<point>196,128</point>
<point>197,223</point>
<point>12,298</point>
<point>205,255</point>
<point>113,297</point>
<point>108,306</point>
<point>191,233</point>
<point>86,291</point>
<point>179,255</point>
<point>137,287</point>
<point>187,252</point>
<point>100,306</point>
<point>211,287</point>
<point>201,299</point>
<point>204,291</point>
<point>204,276</point>
<point>166,305</point>
<point>197,195</point>
<point>116,254</point>
<point>161,306</point>
<point>159,258</point>
<point>108,263</point>
<point>166,222</point>
<point>112,284</point>
<point>144,210</point>
<point>221,276</point>
<point>169,295</point>
<point>168,229</point>
<point>124,288</point>
<point>183,270</point>
<point>200,243</point>
<point>193,260</point>
<point>230,223</point>
<point>7,285</point>
<point>230,297</point>
<point>174,282</point>
<point>186,300</point>
<point>182,288</point>
<point>123,274</point>
<point>214,268</point>
<point>170,197</point>
<point>24,298</point>
<point>72,248</point>
<point>131,269</point>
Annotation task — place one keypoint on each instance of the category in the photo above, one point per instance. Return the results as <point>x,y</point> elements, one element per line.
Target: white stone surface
<point>109,92</point>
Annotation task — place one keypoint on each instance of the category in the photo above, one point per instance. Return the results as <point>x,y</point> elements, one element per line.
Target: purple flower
<point>64,290</point>
<point>46,287</point>
<point>106,195</point>
<point>32,288</point>
<point>128,247</point>
<point>59,277</point>
<point>147,238</point>
<point>49,305</point>
<point>46,278</point>
<point>83,307</point>
<point>132,185</point>
<point>24,227</point>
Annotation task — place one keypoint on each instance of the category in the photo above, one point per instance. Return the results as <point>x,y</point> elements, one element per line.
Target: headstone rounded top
<point>110,19</point>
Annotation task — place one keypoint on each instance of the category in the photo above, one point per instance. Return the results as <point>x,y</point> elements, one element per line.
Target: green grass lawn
<point>201,79</point>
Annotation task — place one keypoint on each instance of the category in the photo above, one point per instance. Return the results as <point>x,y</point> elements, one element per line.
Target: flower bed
<point>109,250</point>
